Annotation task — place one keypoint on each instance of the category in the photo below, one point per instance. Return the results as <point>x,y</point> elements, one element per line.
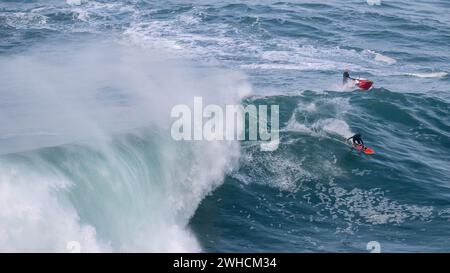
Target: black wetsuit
<point>356,139</point>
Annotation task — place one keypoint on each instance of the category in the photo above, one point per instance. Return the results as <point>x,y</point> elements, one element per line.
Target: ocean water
<point>86,157</point>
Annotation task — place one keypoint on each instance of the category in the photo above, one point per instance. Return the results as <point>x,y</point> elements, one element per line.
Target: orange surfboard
<point>364,149</point>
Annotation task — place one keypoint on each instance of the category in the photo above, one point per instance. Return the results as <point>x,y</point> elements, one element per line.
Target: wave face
<point>314,194</point>
<point>135,192</point>
<point>86,154</point>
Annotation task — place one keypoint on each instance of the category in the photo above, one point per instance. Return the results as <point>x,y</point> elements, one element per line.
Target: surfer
<point>358,144</point>
<point>357,140</point>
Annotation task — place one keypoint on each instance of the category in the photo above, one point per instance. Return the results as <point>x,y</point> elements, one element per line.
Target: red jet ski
<point>364,84</point>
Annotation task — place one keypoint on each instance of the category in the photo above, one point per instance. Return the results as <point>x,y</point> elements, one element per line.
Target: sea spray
<point>106,173</point>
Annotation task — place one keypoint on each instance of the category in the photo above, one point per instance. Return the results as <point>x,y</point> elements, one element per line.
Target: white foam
<point>22,20</point>
<point>293,125</point>
<point>334,126</point>
<point>74,2</point>
<point>304,66</point>
<point>329,125</point>
<point>385,59</point>
<point>311,107</point>
<point>381,58</point>
<point>349,86</point>
<point>33,219</point>
<point>429,75</point>
<point>286,55</point>
<point>82,15</point>
<point>270,146</point>
<point>374,2</point>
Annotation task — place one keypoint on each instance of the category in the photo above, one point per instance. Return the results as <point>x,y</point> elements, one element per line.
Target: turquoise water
<point>85,147</point>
